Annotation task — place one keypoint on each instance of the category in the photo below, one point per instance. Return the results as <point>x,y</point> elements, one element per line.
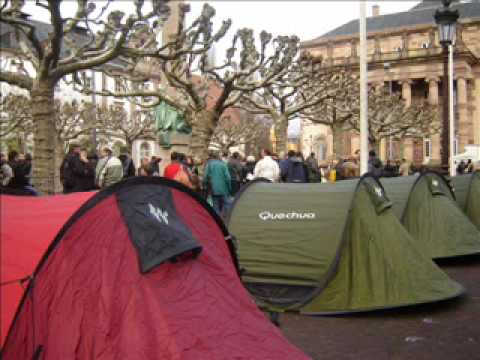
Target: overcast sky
<point>306,19</point>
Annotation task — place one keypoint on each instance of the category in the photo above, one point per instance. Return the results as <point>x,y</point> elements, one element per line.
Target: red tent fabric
<point>27,226</point>
<point>142,271</point>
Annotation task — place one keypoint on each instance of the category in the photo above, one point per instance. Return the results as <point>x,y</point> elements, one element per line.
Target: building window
<point>427,145</point>
<point>425,45</point>
<point>118,85</point>
<point>86,80</point>
<point>145,150</point>
<point>322,151</point>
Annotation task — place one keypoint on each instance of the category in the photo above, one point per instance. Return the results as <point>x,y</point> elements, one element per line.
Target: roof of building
<point>422,14</point>
<point>78,36</point>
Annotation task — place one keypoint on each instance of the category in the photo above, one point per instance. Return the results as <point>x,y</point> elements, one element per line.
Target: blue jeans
<point>220,203</point>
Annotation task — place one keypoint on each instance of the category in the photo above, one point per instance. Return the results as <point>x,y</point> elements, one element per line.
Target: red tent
<point>143,270</point>
<point>27,226</point>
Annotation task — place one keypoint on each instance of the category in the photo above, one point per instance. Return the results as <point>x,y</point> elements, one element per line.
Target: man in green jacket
<point>216,178</point>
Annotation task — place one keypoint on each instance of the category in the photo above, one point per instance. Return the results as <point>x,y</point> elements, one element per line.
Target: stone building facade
<point>405,56</point>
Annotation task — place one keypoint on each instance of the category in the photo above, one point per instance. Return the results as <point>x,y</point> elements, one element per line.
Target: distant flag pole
<point>363,90</point>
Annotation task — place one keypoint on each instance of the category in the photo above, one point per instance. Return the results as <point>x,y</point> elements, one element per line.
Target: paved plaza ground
<point>446,330</point>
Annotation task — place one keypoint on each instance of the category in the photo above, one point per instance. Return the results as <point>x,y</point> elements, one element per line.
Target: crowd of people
<point>217,179</point>
<point>16,172</point>
<point>466,167</point>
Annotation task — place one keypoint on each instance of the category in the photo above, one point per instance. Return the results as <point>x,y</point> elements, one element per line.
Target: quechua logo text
<point>268,215</point>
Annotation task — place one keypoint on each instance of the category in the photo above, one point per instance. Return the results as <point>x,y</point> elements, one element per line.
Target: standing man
<point>235,169</point>
<point>375,166</point>
<point>404,169</point>
<point>127,163</point>
<point>313,169</point>
<point>267,167</point>
<point>70,169</point>
<point>293,169</point>
<point>109,169</point>
<point>217,178</point>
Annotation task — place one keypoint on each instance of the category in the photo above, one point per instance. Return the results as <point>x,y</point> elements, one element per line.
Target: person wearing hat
<point>109,169</point>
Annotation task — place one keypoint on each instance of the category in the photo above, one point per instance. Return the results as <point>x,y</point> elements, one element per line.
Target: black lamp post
<point>446,19</point>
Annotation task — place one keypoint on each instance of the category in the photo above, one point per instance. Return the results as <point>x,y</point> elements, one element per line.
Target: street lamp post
<point>363,90</point>
<point>446,19</point>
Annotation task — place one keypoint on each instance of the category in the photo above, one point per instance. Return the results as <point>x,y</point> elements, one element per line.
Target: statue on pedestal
<point>171,126</point>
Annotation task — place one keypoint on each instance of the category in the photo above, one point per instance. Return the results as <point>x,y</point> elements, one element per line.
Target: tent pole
<point>363,90</point>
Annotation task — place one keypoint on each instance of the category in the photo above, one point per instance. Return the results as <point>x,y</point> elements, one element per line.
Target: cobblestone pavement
<point>446,330</point>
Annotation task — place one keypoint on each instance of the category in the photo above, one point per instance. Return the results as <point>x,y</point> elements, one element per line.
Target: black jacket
<point>76,175</point>
<point>21,170</point>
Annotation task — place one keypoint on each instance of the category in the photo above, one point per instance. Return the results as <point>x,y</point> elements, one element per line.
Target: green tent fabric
<point>426,207</point>
<point>467,193</point>
<point>330,248</point>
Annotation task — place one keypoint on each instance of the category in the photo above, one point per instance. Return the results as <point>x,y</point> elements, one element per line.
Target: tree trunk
<point>59,155</point>
<point>281,136</point>
<point>338,141</point>
<point>203,126</point>
<point>43,112</point>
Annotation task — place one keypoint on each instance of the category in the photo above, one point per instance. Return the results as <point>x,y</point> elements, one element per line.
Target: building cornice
<point>385,33</point>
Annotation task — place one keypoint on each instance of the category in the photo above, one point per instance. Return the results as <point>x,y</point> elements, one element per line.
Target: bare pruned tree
<point>71,120</point>
<point>306,84</point>
<point>237,131</point>
<point>15,115</point>
<point>117,123</point>
<point>200,90</point>
<point>68,44</point>
<point>388,116</point>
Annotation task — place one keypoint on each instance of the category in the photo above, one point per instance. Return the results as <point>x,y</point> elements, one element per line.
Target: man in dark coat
<point>74,171</point>
<point>128,166</point>
<point>293,170</point>
<point>375,165</point>
<point>235,169</point>
<point>20,170</point>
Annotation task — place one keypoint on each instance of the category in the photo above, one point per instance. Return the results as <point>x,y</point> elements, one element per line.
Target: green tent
<point>427,208</point>
<point>467,193</point>
<point>330,248</point>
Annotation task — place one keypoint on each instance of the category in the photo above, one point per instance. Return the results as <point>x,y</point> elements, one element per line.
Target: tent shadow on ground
<point>426,206</point>
<point>329,249</point>
<point>427,309</point>
<point>469,260</point>
<point>144,269</point>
